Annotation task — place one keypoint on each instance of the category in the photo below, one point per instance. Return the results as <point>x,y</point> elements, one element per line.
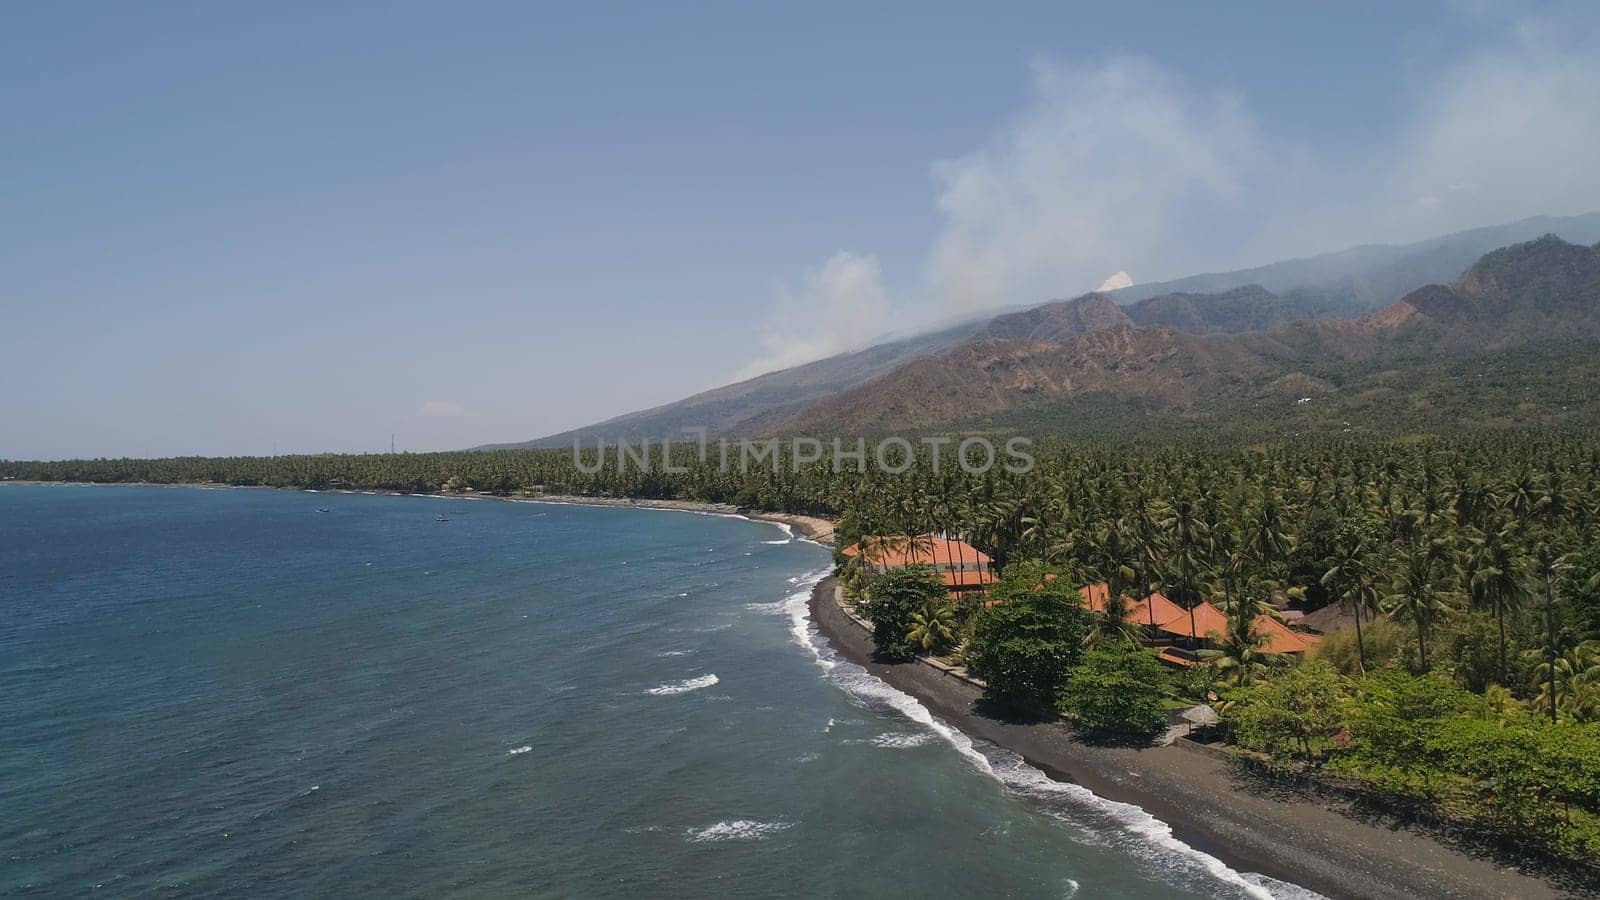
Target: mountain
<point>1248,308</point>
<point>1341,285</point>
<point>1544,290</point>
<point>740,408</point>
<point>1526,316</point>
<point>1056,321</point>
<point>1364,278</point>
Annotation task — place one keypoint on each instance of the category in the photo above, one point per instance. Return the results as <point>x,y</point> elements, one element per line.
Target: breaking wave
<point>1140,832</point>
<point>683,687</point>
<point>737,830</point>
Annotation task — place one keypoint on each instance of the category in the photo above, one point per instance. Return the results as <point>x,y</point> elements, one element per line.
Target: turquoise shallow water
<point>209,692</point>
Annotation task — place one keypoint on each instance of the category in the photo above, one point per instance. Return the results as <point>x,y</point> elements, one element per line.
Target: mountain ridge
<point>1329,287</point>
<point>1542,291</point>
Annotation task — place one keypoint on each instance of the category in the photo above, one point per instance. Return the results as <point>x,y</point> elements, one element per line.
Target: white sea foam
<point>737,830</point>
<point>675,653</point>
<point>901,741</point>
<point>1081,806</point>
<point>683,687</point>
<point>518,751</point>
<point>788,533</point>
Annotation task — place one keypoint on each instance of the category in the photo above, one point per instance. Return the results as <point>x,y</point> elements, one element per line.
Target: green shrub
<point>1294,714</point>
<point>1025,644</point>
<point>893,599</point>
<point>1116,690</point>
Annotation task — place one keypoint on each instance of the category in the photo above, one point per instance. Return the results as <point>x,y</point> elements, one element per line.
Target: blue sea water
<point>233,692</point>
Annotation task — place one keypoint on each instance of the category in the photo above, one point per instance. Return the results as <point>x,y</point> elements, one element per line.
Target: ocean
<point>273,693</point>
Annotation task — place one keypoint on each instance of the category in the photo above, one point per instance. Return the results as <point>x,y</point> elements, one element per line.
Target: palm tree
<point>1548,565</point>
<point>1567,682</point>
<point>1117,562</point>
<point>1417,592</point>
<point>1498,582</point>
<point>1352,581</point>
<point>1265,538</point>
<point>1239,660</point>
<point>933,627</point>
<point>1185,534</point>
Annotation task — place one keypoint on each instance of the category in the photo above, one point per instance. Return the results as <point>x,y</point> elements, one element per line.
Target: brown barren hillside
<point>1525,296</point>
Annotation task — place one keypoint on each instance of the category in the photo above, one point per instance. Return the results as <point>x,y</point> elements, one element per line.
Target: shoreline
<point>1250,823</point>
<point>816,529</point>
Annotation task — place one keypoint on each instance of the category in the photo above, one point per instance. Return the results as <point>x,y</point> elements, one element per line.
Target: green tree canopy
<point>1025,643</point>
<point>1116,690</point>
<point>893,601</point>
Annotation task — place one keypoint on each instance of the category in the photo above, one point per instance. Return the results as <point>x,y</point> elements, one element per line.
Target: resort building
<point>1168,627</point>
<point>1178,634</point>
<point>965,569</point>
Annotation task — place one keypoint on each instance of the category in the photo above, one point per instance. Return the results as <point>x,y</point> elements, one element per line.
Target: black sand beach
<point>1249,823</point>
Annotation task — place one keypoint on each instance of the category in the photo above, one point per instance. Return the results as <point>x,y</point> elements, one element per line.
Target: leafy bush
<point>1472,654</point>
<point>1116,690</point>
<point>893,600</point>
<point>1294,714</point>
<point>1393,719</point>
<point>1025,644</point>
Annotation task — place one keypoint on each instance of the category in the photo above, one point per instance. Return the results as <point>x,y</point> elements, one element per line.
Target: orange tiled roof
<point>1280,638</point>
<point>897,551</point>
<point>1164,610</point>
<point>1095,596</point>
<point>1207,620</point>
<point>968,578</point>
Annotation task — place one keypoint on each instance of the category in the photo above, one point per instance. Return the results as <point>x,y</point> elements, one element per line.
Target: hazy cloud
<point>441,409</point>
<point>1126,165</point>
<point>1104,166</point>
<point>836,308</point>
<point>1514,132</point>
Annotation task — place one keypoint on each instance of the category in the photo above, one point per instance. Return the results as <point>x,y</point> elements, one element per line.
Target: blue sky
<point>235,228</point>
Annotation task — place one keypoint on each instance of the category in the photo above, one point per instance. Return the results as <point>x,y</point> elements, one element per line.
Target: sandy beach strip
<point>814,528</point>
<point>1250,823</point>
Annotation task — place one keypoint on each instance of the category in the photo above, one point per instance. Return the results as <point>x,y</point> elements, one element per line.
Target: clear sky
<point>235,228</point>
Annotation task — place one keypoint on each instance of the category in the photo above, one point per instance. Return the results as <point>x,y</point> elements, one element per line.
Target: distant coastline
<point>812,528</point>
<point>818,529</point>
<point>1248,822</point>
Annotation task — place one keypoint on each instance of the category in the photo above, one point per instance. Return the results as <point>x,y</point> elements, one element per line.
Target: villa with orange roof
<point>963,567</point>
<point>1178,633</point>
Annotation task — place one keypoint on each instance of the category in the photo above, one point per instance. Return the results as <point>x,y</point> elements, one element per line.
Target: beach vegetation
<point>1456,576</point>
<point>1382,641</point>
<point>894,601</point>
<point>1294,715</point>
<point>1026,641</point>
<point>1115,690</point>
<point>933,628</point>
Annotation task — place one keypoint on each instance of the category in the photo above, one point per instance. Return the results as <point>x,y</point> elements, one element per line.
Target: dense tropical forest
<point>1468,568</point>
